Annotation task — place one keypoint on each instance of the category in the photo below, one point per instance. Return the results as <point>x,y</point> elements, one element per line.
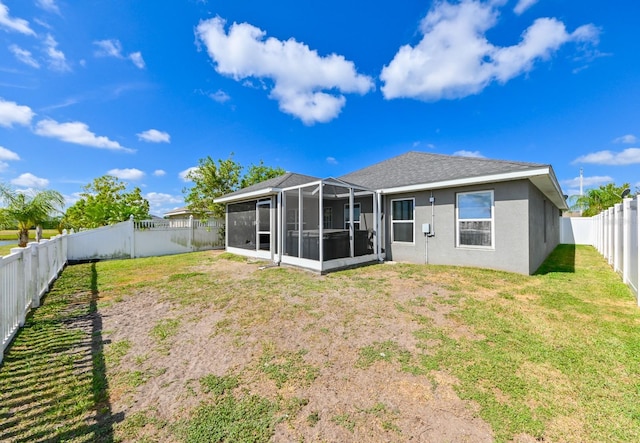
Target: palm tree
<point>598,199</point>
<point>27,210</point>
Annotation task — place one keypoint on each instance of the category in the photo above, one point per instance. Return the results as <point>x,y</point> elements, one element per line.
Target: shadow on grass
<point>562,259</point>
<point>53,384</point>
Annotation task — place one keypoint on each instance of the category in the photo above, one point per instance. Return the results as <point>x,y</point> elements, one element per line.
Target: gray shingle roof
<point>415,168</point>
<point>281,181</point>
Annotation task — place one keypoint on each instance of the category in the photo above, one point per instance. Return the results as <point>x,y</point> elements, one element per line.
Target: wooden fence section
<point>27,273</point>
<point>25,276</point>
<point>615,233</point>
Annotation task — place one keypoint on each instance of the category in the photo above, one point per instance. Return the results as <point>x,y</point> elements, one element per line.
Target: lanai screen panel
<point>336,241</point>
<point>241,230</point>
<point>363,236</point>
<point>311,222</point>
<point>292,222</point>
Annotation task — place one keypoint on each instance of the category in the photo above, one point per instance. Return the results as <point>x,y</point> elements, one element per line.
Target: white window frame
<point>492,220</point>
<point>412,221</point>
<point>346,216</point>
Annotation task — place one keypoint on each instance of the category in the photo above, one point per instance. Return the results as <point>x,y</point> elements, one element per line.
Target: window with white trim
<point>474,213</point>
<point>402,220</point>
<point>356,216</point>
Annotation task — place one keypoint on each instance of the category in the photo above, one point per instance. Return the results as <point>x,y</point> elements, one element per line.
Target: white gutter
<point>467,181</point>
<point>247,196</point>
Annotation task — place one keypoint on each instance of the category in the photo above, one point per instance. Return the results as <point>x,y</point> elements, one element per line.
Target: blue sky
<point>142,90</point>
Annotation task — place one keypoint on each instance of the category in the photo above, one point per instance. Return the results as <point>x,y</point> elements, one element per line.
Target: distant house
<point>417,207</point>
<point>183,212</point>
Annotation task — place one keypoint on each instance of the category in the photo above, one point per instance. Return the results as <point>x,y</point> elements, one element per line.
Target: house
<point>180,213</point>
<point>417,207</point>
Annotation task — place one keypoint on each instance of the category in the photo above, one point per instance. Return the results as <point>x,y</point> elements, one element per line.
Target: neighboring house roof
<point>267,187</point>
<point>178,211</point>
<point>416,171</point>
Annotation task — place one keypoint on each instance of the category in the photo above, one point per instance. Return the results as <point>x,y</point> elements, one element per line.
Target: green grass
<point>556,358</point>
<point>287,367</point>
<point>553,356</point>
<point>53,383</point>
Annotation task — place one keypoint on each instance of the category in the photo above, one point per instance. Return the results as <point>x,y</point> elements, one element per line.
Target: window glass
<point>475,219</point>
<point>402,222</point>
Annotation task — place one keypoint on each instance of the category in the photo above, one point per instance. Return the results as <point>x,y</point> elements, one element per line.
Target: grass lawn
<point>210,347</point>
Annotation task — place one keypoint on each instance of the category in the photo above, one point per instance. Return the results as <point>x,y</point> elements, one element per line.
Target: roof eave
<point>543,178</point>
<point>246,195</point>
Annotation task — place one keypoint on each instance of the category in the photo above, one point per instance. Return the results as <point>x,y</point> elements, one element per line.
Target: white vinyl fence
<point>25,276</point>
<point>147,238</point>
<point>27,273</point>
<point>615,233</point>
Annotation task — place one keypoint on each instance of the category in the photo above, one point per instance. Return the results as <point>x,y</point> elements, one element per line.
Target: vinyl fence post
<point>132,234</point>
<point>21,289</point>
<point>636,248</point>
<point>33,278</point>
<point>626,239</point>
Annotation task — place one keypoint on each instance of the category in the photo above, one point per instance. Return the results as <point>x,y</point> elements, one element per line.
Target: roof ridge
<point>438,154</point>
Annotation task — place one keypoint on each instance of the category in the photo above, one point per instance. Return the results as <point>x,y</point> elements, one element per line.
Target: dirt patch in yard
<point>342,347</point>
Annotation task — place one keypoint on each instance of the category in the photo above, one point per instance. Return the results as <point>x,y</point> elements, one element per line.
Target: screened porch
<point>321,225</point>
<point>328,224</point>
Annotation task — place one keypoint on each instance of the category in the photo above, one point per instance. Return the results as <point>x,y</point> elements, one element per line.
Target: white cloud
<point>57,59</point>
<point>136,58</point>
<point>595,180</point>
<point>159,173</point>
<point>113,48</point>
<point>127,174</point>
<point>3,166</point>
<point>306,85</point>
<point>108,48</point>
<point>14,24</point>
<point>24,56</point>
<point>523,5</point>
<point>154,136</point>
<point>78,133</point>
<point>6,154</point>
<point>332,160</point>
<point>30,181</point>
<point>12,113</point>
<point>184,174</point>
<point>160,203</point>
<point>454,59</point>
<point>48,5</point>
<point>465,153</point>
<point>220,96</point>
<point>158,199</point>
<point>628,139</point>
<point>629,156</point>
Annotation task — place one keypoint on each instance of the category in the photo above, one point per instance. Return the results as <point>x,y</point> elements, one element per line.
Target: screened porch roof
<point>286,182</point>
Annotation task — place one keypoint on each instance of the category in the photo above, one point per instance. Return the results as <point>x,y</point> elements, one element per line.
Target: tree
<point>598,199</point>
<point>27,210</point>
<point>106,202</point>
<point>213,179</point>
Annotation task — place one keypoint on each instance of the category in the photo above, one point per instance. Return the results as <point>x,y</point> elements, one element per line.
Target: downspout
<point>432,200</point>
<point>379,227</point>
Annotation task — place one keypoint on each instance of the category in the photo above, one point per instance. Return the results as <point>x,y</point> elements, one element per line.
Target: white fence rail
<point>615,233</point>
<point>147,238</point>
<point>25,276</point>
<point>27,273</point>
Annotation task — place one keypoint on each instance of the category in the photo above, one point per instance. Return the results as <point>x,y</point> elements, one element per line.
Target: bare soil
<point>347,401</point>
